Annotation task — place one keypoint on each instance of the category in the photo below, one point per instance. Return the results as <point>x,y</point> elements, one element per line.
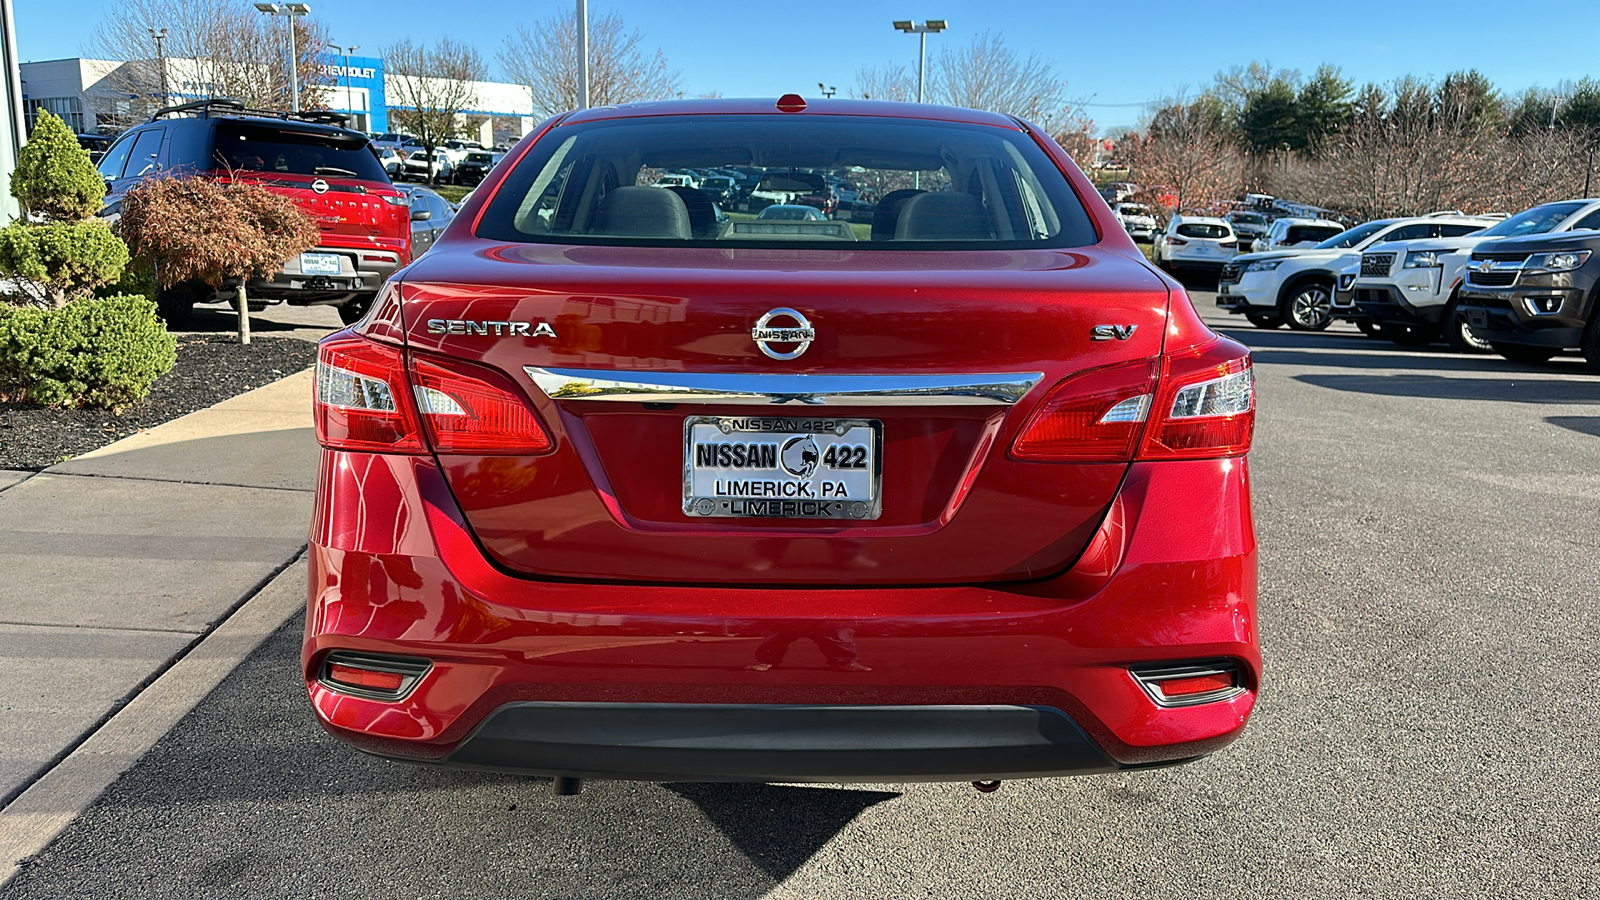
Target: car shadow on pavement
<point>1439,387</point>
<point>1581,424</point>
<point>212,320</point>
<point>247,796</point>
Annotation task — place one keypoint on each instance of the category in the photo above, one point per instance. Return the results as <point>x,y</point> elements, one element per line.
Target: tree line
<point>1408,147</point>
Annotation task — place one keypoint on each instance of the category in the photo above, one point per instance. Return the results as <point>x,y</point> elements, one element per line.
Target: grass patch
<point>452,192</point>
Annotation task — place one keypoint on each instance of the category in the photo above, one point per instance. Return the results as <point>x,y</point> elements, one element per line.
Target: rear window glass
<point>292,152</point>
<point>1202,230</point>
<point>1314,233</point>
<point>921,185</point>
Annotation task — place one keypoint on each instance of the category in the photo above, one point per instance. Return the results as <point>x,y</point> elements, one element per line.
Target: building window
<point>68,109</point>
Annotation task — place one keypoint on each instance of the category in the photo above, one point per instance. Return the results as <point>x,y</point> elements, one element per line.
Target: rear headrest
<point>943,216</point>
<point>642,212</point>
<point>702,215</point>
<point>887,213</point>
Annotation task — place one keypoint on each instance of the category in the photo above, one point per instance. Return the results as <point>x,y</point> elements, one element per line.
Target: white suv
<point>1297,286</point>
<point>1292,233</point>
<point>1195,242</point>
<point>1410,291</point>
<point>1136,219</point>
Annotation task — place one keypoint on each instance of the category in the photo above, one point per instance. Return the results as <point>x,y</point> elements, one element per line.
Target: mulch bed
<point>210,369</point>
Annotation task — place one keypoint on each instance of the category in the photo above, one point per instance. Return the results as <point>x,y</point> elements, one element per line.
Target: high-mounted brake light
<point>360,398</point>
<point>470,409</point>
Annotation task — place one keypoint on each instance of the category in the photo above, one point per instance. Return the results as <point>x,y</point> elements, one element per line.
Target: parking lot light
<point>922,31</point>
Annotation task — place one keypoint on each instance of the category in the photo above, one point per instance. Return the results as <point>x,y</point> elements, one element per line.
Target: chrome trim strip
<point>750,389</point>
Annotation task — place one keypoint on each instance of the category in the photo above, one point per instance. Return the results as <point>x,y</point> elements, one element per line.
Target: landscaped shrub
<point>102,351</point>
<point>54,177</point>
<point>194,229</point>
<point>50,264</point>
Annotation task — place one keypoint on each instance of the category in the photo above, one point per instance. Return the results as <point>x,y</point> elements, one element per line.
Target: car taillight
<point>470,409</point>
<point>1206,406</point>
<point>1202,406</point>
<point>1096,416</point>
<point>1176,241</point>
<point>360,397</point>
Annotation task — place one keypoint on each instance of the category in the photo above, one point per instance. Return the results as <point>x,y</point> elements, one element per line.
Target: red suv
<point>611,491</point>
<point>328,171</point>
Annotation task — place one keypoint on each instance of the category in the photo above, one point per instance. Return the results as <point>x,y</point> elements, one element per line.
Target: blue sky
<point>1116,55</point>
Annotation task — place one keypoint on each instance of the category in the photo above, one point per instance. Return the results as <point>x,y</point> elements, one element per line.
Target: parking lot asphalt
<point>1426,727</point>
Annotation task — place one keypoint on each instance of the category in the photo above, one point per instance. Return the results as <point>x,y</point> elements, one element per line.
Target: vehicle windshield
<point>937,184</point>
<point>1346,239</point>
<point>1539,220</point>
<point>286,151</point>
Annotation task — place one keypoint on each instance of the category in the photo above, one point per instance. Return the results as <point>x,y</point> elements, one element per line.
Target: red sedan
<point>614,487</point>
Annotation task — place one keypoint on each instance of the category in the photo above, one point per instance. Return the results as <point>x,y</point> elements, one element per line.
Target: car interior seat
<point>887,213</point>
<point>643,212</point>
<point>943,216</point>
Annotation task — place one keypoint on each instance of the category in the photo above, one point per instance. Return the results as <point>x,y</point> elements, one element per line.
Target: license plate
<point>319,263</point>
<point>784,468</point>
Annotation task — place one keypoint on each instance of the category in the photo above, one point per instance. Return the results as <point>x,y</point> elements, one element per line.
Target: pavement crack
<point>255,487</point>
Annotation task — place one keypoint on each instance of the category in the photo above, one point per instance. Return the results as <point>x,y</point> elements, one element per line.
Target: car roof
<point>768,106</point>
<point>1205,220</point>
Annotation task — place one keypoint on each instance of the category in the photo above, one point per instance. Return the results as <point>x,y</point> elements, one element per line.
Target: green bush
<point>103,351</point>
<point>58,262</point>
<point>54,177</point>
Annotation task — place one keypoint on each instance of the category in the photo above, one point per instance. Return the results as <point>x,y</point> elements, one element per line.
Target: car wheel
<point>1522,353</point>
<point>175,305</point>
<point>1264,320</point>
<point>351,311</point>
<point>1308,306</point>
<point>1459,335</point>
<point>1409,335</point>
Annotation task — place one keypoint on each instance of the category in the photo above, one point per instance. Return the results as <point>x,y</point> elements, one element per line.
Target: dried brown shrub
<point>195,229</point>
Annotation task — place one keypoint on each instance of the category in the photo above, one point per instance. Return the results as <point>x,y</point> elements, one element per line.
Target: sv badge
<point>1107,332</point>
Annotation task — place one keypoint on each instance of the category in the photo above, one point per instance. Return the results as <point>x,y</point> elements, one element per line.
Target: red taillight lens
<point>470,409</point>
<point>1206,407</point>
<point>360,397</point>
<point>1096,416</point>
<point>1190,685</point>
<point>1176,241</point>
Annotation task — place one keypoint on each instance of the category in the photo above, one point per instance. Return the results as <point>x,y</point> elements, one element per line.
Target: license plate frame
<point>758,491</point>
<point>319,264</point>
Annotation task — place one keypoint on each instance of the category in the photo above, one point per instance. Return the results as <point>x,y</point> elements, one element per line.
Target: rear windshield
<point>1314,233</point>
<point>290,152</point>
<point>1247,219</point>
<point>922,184</point>
<point>1202,230</point>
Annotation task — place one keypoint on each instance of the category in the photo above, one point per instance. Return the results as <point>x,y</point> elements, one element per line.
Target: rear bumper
<point>751,742</point>
<point>361,271</point>
<point>959,682</point>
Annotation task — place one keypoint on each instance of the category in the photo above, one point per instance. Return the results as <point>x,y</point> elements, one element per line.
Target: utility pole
<point>161,63</point>
<point>932,26</point>
<point>583,54</point>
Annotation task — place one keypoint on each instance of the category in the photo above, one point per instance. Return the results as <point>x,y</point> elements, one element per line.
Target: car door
<point>421,224</point>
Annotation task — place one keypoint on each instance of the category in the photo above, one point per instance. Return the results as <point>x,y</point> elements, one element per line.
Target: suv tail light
<point>364,401</point>
<point>360,400</point>
<point>1202,406</point>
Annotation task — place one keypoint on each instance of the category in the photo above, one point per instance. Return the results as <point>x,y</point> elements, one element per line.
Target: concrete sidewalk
<point>114,564</point>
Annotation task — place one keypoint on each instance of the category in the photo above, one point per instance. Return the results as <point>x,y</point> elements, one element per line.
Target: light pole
<point>583,54</point>
<point>932,26</point>
<point>827,91</point>
<point>349,105</point>
<point>161,60</point>
<point>289,11</point>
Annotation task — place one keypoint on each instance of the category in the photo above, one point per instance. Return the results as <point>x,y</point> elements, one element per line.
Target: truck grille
<point>1491,279</point>
<point>1375,265</point>
<point>1230,274</point>
<point>1499,257</point>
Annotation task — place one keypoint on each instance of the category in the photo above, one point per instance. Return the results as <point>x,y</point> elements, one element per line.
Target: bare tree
<point>545,58</point>
<point>1187,159</point>
<point>213,48</point>
<point>986,74</point>
<point>890,82</point>
<point>431,87</point>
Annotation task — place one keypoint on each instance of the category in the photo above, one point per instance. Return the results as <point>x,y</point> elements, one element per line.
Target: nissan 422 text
<point>612,487</point>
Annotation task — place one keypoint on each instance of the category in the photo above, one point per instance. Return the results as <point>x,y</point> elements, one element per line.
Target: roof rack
<point>227,106</point>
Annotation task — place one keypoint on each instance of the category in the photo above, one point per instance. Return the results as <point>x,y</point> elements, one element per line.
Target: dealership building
<point>90,94</point>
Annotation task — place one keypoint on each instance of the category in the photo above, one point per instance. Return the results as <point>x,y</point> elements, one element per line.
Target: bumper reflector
<point>1190,685</point>
<point>372,676</point>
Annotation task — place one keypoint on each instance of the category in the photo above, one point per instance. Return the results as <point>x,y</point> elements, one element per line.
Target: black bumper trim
<point>747,742</point>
